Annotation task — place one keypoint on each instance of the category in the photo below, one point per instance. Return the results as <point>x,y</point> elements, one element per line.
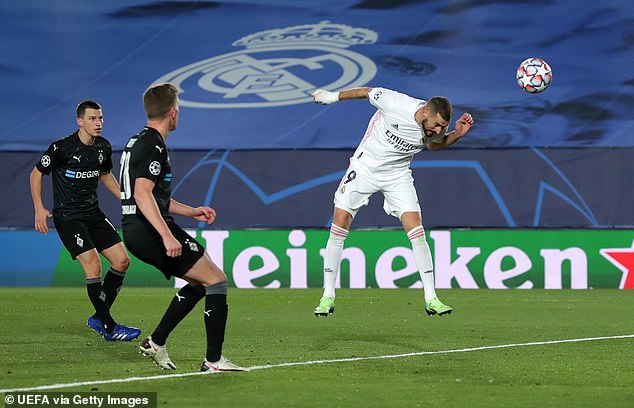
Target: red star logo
<point>622,258</point>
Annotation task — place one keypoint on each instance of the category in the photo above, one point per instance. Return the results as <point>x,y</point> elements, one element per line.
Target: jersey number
<point>124,176</point>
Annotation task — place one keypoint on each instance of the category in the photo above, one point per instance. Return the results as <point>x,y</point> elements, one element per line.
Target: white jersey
<point>393,137</point>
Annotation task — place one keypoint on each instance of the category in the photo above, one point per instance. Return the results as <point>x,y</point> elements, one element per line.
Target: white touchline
<point>313,362</point>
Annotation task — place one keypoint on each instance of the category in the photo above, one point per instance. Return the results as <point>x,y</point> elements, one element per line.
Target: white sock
<point>422,256</point>
<point>332,259</point>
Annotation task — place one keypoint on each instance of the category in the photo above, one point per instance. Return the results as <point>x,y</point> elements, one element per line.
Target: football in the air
<point>534,75</point>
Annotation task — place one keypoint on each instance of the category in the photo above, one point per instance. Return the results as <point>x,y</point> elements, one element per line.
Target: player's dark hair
<point>159,99</point>
<point>440,105</point>
<point>81,108</point>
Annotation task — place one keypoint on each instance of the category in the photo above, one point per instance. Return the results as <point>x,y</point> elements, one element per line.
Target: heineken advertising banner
<point>469,259</point>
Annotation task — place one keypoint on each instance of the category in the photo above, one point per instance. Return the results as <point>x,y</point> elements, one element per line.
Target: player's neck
<point>85,138</point>
<point>419,115</point>
<point>160,126</point>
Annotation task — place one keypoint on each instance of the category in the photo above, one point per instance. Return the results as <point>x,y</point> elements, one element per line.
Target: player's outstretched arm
<point>326,97</point>
<point>202,213</point>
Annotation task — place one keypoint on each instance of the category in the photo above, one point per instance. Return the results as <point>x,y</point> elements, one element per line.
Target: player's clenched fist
<point>204,214</point>
<point>325,97</point>
<point>464,123</point>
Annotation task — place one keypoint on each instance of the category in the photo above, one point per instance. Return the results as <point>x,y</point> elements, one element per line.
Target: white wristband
<point>325,97</point>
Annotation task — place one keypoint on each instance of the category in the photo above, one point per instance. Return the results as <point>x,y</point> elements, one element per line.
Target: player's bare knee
<point>118,257</point>
<point>92,270</point>
<point>206,273</point>
<point>411,220</point>
<point>91,263</point>
<point>342,218</point>
<point>213,276</point>
<point>121,264</point>
<point>218,281</point>
<point>208,280</point>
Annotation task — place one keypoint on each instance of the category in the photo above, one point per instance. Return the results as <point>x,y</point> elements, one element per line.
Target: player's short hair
<point>81,108</point>
<point>440,105</point>
<point>159,99</point>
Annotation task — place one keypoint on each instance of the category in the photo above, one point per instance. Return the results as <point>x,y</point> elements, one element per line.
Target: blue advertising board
<point>466,188</point>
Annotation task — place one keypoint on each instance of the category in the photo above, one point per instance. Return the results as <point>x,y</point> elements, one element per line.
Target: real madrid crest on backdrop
<point>277,67</point>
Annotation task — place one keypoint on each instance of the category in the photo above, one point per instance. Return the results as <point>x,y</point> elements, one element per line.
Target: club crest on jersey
<point>79,241</point>
<point>100,158</point>
<point>271,70</point>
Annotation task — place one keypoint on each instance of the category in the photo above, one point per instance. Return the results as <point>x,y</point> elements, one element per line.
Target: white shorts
<point>358,184</point>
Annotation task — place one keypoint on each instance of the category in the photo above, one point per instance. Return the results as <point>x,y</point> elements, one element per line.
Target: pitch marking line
<point>314,362</point>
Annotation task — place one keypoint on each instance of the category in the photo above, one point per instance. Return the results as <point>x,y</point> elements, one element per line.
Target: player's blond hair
<point>159,99</point>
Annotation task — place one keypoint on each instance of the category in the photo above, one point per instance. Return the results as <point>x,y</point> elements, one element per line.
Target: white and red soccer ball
<point>534,75</point>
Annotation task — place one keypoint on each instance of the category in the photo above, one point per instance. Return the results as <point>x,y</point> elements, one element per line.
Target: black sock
<point>98,299</point>
<point>112,283</point>
<point>183,303</point>
<point>216,312</point>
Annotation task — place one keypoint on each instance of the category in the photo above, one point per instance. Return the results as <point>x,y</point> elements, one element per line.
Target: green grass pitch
<point>44,341</point>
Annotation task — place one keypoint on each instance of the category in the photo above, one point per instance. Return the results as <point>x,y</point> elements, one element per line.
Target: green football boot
<point>326,307</point>
<point>435,306</point>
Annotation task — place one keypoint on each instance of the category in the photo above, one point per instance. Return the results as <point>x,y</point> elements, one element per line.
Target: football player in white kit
<point>401,127</point>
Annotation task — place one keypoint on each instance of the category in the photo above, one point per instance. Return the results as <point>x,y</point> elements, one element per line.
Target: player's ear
<point>425,112</point>
<point>80,122</point>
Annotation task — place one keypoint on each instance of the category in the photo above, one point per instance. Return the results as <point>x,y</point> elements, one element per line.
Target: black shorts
<point>147,245</point>
<point>81,235</point>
